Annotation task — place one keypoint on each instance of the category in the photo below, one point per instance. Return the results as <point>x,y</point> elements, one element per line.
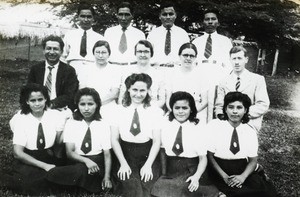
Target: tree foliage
<point>268,22</point>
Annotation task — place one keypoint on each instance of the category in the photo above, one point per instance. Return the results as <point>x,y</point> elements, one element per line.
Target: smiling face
<point>52,52</point>
<point>238,61</point>
<point>124,17</point>
<point>138,92</point>
<point>181,110</point>
<point>101,55</point>
<point>87,107</point>
<point>210,22</point>
<point>86,19</point>
<point>143,54</point>
<point>37,103</point>
<point>187,57</point>
<point>235,112</point>
<point>167,17</point>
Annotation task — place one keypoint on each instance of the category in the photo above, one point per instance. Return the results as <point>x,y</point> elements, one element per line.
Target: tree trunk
<point>275,62</point>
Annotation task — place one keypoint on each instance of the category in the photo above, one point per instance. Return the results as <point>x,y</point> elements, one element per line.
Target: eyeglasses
<point>126,15</point>
<point>145,52</point>
<point>188,55</point>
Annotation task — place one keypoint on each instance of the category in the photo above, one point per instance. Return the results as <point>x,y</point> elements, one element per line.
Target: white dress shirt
<point>193,138</point>
<point>157,37</point>
<point>221,46</point>
<point>220,132</point>
<point>100,134</point>
<point>113,36</point>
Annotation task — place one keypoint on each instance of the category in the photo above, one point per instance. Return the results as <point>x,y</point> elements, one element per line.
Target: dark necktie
<point>86,145</point>
<point>123,42</point>
<point>40,142</point>
<point>177,146</point>
<point>234,144</point>
<point>83,45</point>
<point>48,83</point>
<point>238,83</point>
<point>208,47</point>
<point>135,127</point>
<point>168,42</point>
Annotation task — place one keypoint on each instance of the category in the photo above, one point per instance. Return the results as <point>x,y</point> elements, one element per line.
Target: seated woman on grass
<point>87,139</point>
<point>135,139</point>
<point>36,129</point>
<point>233,150</point>
<point>184,152</point>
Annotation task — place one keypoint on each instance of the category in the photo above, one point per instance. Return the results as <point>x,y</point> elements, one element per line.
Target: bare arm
<point>19,154</point>
<point>193,186</point>
<point>106,183</point>
<point>216,166</point>
<point>71,154</point>
<point>202,104</point>
<point>124,171</point>
<point>112,95</point>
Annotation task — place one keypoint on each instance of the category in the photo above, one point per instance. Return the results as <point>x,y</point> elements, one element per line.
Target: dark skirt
<point>76,174</point>
<point>28,179</point>
<point>136,155</point>
<point>254,185</point>
<point>174,183</point>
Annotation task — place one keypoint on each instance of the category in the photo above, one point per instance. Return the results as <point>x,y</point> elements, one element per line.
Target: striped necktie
<point>238,83</point>
<point>208,47</point>
<point>48,83</point>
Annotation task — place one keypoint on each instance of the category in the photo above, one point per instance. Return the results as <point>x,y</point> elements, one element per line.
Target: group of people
<point>181,117</point>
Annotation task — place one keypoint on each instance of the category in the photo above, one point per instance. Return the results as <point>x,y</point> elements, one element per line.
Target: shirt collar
<point>242,75</point>
<point>54,66</point>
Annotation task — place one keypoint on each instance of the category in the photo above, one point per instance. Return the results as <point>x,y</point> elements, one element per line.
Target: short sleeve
<point>252,146</point>
<point>69,132</point>
<point>19,136</point>
<point>210,135</point>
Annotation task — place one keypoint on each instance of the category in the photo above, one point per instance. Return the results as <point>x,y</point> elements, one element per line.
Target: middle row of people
<point>109,79</point>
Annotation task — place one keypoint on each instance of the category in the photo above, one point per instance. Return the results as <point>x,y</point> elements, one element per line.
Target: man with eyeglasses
<point>167,38</point>
<point>123,37</point>
<point>79,42</point>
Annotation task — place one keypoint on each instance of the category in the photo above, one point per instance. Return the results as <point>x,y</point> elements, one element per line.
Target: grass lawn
<point>279,138</point>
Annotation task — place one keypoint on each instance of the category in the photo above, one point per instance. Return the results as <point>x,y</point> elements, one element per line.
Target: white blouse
<point>193,138</point>
<point>220,133</point>
<point>100,134</point>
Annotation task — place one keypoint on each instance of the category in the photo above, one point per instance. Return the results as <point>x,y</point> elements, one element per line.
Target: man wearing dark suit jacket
<point>59,78</point>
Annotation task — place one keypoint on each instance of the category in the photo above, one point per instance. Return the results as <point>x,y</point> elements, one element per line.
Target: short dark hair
<point>125,5</point>
<point>54,39</point>
<point>167,4</point>
<point>85,6</point>
<point>231,97</point>
<point>237,49</point>
<point>130,80</point>
<point>181,95</point>
<point>101,43</point>
<point>25,93</point>
<point>187,45</point>
<point>147,44</point>
<point>87,92</point>
<point>211,10</point>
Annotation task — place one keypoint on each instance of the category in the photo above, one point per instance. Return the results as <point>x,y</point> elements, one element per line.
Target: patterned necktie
<point>208,47</point>
<point>83,45</point>
<point>40,142</point>
<point>234,144</point>
<point>177,146</point>
<point>135,127</point>
<point>48,83</point>
<point>168,42</point>
<point>86,145</point>
<point>123,42</point>
<point>238,83</point>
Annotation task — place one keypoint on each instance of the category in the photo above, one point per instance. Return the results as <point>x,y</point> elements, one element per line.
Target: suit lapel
<point>59,77</point>
<point>40,75</point>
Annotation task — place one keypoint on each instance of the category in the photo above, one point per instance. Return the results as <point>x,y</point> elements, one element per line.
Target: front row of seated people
<point>152,154</point>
